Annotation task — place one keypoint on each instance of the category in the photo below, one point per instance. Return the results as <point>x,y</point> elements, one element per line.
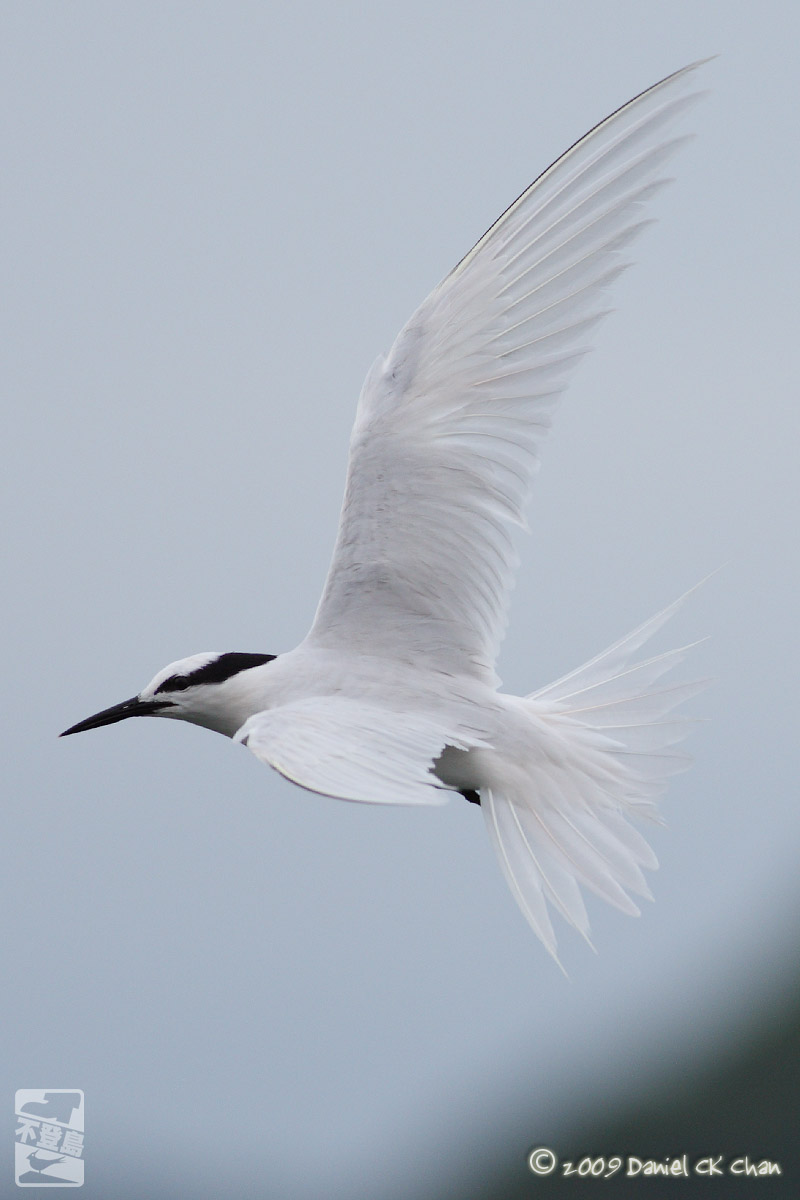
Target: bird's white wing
<point>448,426</point>
<point>354,750</point>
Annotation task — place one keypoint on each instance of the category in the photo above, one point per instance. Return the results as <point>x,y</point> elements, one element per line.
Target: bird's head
<point>211,689</point>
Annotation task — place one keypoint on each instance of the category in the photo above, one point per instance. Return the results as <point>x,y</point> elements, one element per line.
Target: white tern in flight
<point>392,697</point>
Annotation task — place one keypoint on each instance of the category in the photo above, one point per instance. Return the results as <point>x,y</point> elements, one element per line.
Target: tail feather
<point>606,665</point>
<point>631,681</point>
<point>602,746</point>
<point>520,865</point>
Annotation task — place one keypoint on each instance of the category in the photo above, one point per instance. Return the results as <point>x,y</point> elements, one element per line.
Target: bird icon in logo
<point>38,1163</point>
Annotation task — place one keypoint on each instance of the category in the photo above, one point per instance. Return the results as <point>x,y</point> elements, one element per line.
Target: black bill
<point>119,712</point>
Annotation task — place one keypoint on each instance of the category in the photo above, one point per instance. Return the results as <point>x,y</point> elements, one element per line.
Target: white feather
<point>449,423</point>
<point>354,750</point>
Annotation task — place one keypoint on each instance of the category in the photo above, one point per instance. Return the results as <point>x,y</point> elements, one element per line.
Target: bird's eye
<point>175,683</point>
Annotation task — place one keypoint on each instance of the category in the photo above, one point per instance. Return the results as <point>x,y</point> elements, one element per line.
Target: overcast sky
<point>214,217</point>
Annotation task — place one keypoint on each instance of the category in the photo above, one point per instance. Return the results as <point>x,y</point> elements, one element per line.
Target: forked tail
<point>603,751</point>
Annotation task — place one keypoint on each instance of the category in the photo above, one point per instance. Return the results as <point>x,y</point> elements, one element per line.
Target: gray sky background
<point>214,217</point>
